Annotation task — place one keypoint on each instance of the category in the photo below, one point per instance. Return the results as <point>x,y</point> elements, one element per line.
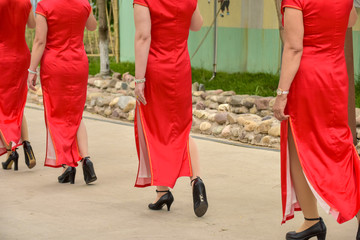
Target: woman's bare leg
<point>24,130</point>
<point>6,145</point>
<point>82,140</point>
<point>195,161</point>
<point>303,192</point>
<point>160,194</point>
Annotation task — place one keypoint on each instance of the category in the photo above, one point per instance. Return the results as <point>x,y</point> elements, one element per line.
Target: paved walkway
<point>242,184</point>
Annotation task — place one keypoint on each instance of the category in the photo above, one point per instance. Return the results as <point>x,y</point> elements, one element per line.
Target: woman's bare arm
<point>196,20</point>
<point>142,46</point>
<point>38,48</point>
<point>91,23</point>
<point>353,17</point>
<point>293,48</point>
<point>31,22</point>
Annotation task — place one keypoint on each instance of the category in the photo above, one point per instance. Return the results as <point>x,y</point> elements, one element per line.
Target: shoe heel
<point>16,164</point>
<point>168,204</point>
<point>72,177</point>
<point>321,236</point>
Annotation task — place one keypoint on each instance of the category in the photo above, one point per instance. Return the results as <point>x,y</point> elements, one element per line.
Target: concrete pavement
<point>243,187</point>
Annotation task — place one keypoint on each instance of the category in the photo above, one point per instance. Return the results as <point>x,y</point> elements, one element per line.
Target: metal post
<point>215,41</point>
<point>349,56</point>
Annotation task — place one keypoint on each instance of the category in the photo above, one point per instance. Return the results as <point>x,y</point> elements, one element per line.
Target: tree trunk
<point>103,36</point>
<point>278,10</point>
<point>349,56</point>
<point>115,4</point>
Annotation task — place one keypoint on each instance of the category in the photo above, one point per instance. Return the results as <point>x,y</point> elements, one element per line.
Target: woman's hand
<point>31,81</point>
<point>139,93</point>
<point>279,107</point>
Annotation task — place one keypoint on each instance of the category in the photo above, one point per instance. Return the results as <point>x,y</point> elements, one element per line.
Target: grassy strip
<point>261,84</point>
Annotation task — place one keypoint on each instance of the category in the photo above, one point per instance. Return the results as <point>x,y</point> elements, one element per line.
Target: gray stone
<point>264,126</point>
<point>201,87</point>
<point>200,106</point>
<point>108,112</point>
<point>114,102</point>
<point>262,103</point>
<point>93,102</point>
<point>131,115</point>
<point>214,92</point>
<point>217,130</point>
<point>195,86</point>
<point>248,102</point>
<point>228,93</point>
<point>201,114</point>
<point>274,131</point>
<point>116,75</point>
<point>205,126</point>
<point>116,113</point>
<point>240,110</point>
<point>213,105</point>
<point>132,85</point>
<point>265,140</point>
<point>232,118</point>
<point>91,96</point>
<point>226,132</point>
<point>221,117</point>
<point>125,100</point>
<point>221,99</point>
<point>203,95</point>
<point>124,86</point>
<point>224,108</point>
<point>118,85</point>
<point>103,101</point>
<point>211,117</point>
<point>236,100</point>
<point>235,131</point>
<point>253,110</point>
<point>197,93</point>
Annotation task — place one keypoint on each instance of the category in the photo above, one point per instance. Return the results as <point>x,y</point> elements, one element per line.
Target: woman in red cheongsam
<point>163,89</point>
<point>318,159</point>
<point>64,72</point>
<point>15,58</point>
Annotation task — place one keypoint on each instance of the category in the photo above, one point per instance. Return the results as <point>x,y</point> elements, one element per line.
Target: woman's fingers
<point>32,81</point>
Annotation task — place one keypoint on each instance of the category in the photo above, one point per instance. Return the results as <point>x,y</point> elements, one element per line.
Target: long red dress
<point>15,60</point>
<point>64,74</point>
<point>317,105</point>
<point>163,125</point>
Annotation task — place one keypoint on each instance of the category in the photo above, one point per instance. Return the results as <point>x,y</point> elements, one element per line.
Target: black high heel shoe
<point>13,158</point>
<point>317,230</point>
<point>30,159</point>
<point>358,233</point>
<point>88,169</point>
<point>68,175</point>
<point>166,199</point>
<point>199,197</point>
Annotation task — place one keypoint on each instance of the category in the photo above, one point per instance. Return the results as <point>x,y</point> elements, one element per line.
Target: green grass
<point>262,84</point>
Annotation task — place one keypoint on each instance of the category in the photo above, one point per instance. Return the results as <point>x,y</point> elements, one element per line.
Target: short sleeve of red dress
<point>296,4</point>
<point>141,2</point>
<point>41,9</point>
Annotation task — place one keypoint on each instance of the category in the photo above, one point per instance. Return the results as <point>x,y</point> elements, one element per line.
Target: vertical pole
<point>215,36</point>
<point>349,56</point>
<point>215,41</point>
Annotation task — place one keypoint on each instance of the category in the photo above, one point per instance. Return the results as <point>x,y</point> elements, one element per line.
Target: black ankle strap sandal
<point>162,191</point>
<point>313,219</point>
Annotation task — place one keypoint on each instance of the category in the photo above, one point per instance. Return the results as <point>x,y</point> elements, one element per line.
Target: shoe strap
<point>312,219</point>
<point>9,150</point>
<point>162,191</point>
<point>197,177</point>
